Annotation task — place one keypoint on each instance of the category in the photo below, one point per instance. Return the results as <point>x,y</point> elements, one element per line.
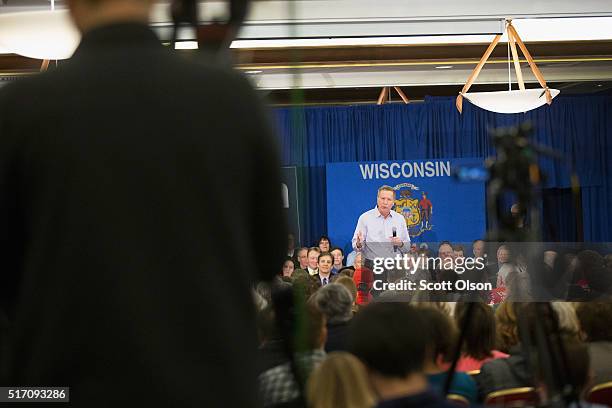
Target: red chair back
<point>601,394</point>
<point>458,400</point>
<point>513,397</point>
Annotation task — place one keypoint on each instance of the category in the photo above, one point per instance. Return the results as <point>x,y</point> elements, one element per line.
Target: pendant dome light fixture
<point>46,35</point>
<point>521,100</point>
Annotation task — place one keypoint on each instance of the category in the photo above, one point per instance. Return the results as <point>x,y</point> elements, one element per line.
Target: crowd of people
<point>552,274</point>
<point>359,348</point>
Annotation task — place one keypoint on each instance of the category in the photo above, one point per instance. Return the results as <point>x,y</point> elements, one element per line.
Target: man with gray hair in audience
<point>336,303</point>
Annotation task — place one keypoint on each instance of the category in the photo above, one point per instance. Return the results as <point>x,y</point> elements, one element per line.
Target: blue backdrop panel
<point>458,208</point>
<point>579,127</point>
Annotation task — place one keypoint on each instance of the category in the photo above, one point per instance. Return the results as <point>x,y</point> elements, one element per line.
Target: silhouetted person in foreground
<point>126,174</point>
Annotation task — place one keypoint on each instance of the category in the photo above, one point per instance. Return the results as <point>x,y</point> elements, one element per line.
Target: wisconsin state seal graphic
<point>415,207</point>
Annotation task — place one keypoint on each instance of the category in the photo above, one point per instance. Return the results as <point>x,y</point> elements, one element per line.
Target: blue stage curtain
<point>578,127</point>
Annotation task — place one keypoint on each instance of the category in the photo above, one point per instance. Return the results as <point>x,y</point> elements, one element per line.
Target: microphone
<point>394,235</point>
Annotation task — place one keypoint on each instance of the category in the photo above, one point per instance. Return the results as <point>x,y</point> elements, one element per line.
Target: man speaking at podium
<point>381,232</point>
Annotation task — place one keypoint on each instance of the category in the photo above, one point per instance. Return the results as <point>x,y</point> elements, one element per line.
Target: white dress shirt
<point>377,231</point>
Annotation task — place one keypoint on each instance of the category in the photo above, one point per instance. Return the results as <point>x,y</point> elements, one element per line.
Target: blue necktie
<point>324,281</point>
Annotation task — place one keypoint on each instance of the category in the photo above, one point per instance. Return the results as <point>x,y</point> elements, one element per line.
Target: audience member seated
<point>479,342</point>
<point>324,265</point>
<point>588,280</point>
<point>313,261</point>
<point>271,346</point>
<point>350,258</point>
<point>348,283</point>
<point>291,250</point>
<point>302,258</point>
<point>364,279</point>
<point>324,244</point>
<point>336,303</point>
<point>278,385</point>
<point>347,271</point>
<point>502,258</point>
<point>458,251</point>
<point>288,268</point>
<point>568,320</point>
<point>595,323</point>
<point>340,382</point>
<point>513,372</point>
<point>338,259</point>
<point>597,274</point>
<point>446,273</point>
<point>578,373</point>
<point>301,279</point>
<point>383,337</point>
<point>442,336</point>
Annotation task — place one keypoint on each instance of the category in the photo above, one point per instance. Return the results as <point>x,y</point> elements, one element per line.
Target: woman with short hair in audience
<point>336,303</point>
<point>442,335</point>
<point>340,382</point>
<point>479,345</point>
<point>594,320</point>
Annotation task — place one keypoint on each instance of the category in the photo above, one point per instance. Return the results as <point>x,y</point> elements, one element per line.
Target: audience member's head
<point>266,325</point>
<point>301,280</point>
<point>592,266</point>
<point>555,317</point>
<point>340,381</point>
<point>421,300</point>
<point>445,251</point>
<point>315,330</point>
<point>302,257</point>
<point>506,327</point>
<point>324,263</point>
<point>458,251</point>
<point>577,373</point>
<point>260,302</point>
<point>313,257</point>
<point>338,257</point>
<point>347,271</point>
<point>567,320</point>
<point>264,289</point>
<point>478,248</point>
<point>324,243</point>
<point>288,268</point>
<point>336,303</point>
<point>503,254</point>
<point>349,284</point>
<point>383,337</point>
<point>303,320</point>
<point>550,258</point>
<point>480,335</point>
<point>441,334</point>
<point>595,320</point>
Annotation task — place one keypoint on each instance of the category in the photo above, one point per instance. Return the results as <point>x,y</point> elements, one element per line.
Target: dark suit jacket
<point>127,177</point>
<point>316,280</point>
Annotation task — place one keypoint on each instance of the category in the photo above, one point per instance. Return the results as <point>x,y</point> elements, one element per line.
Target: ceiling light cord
<point>509,72</point>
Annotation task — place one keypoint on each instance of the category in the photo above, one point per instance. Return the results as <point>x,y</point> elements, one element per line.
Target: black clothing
<point>337,337</point>
<point>127,176</point>
<point>504,373</point>
<point>426,399</point>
